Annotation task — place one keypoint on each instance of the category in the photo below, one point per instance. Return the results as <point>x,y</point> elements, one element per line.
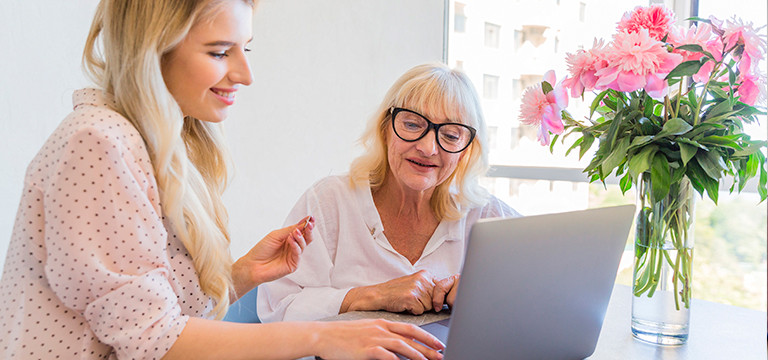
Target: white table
<point>718,331</point>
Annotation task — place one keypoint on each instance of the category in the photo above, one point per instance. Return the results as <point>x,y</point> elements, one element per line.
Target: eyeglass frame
<point>430,125</point>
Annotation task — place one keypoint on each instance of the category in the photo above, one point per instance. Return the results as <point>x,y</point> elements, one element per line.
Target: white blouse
<point>92,271</point>
<point>350,250</point>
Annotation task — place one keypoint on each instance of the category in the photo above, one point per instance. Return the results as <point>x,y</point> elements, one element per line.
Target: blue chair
<point>244,309</point>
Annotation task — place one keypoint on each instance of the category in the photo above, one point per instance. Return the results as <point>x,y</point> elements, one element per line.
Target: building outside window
<point>490,86</point>
<point>492,35</point>
<point>459,19</point>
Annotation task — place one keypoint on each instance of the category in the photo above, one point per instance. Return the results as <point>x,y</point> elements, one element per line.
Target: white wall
<point>320,69</point>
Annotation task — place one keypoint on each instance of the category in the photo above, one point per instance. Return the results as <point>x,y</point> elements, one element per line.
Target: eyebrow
<point>225,43</point>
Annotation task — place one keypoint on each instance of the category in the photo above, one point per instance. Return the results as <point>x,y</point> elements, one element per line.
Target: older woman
<point>391,234</point>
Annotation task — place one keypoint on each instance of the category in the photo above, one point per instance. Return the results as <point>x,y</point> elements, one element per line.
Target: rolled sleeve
<point>107,246</point>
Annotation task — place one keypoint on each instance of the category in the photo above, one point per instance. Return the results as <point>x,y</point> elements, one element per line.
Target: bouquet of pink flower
<point>669,97</point>
<point>670,110</point>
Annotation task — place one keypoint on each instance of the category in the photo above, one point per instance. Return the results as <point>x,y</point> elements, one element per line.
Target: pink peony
<point>582,66</point>
<point>637,61</point>
<point>715,47</point>
<point>656,19</point>
<point>737,33</point>
<point>752,89</point>
<point>695,35</point>
<point>544,110</point>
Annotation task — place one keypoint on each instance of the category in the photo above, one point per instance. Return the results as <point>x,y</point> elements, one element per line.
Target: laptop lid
<point>537,287</point>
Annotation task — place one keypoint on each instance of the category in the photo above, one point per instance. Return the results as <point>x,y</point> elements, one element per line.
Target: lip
<point>421,164</point>
<point>226,96</point>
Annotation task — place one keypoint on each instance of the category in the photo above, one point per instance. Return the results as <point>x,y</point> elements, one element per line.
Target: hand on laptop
<point>376,339</point>
<point>415,293</point>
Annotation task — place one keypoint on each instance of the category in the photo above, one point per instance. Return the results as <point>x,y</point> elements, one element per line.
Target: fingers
<point>451,299</point>
<point>424,285</point>
<point>305,226</point>
<point>416,342</point>
<point>444,292</point>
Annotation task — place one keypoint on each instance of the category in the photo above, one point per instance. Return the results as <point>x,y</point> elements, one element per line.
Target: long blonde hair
<point>430,88</point>
<point>123,53</point>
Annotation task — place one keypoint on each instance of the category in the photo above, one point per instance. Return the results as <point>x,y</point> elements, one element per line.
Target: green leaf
<point>691,47</point>
<point>686,68</point>
<point>692,98</point>
<point>660,177</point>
<point>761,186</point>
<point>687,151</point>
<point>616,156</point>
<point>731,77</point>
<point>596,102</point>
<point>546,87</point>
<point>690,142</point>
<point>721,140</point>
<point>575,144</point>
<point>696,18</point>
<point>648,127</point>
<point>703,180</point>
<point>703,128</point>
<point>641,162</point>
<point>625,183</point>
<point>719,109</point>
<point>750,148</point>
<point>639,141</point>
<point>712,164</point>
<point>674,126</point>
<point>613,130</point>
<point>586,144</point>
<point>552,144</point>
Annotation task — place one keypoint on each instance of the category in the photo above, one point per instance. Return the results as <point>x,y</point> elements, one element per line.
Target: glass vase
<point>663,259</point>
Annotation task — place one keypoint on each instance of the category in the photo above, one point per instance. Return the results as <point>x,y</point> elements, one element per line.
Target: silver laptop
<point>536,287</point>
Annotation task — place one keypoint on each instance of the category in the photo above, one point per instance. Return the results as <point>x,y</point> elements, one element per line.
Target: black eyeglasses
<point>411,126</point>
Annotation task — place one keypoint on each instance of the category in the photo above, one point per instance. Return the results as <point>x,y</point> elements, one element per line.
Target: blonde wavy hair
<point>123,54</point>
<point>431,88</point>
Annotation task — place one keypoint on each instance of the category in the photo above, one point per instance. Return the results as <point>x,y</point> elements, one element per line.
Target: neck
<point>397,200</point>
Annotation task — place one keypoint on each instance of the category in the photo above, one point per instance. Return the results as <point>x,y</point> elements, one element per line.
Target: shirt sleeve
<point>106,245</point>
<point>497,208</point>
<point>307,294</point>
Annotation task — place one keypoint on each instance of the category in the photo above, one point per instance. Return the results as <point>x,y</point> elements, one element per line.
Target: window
<point>514,137</point>
<point>517,88</point>
<point>490,86</point>
<point>492,135</point>
<point>583,11</point>
<point>459,19</point>
<point>519,38</point>
<point>492,35</point>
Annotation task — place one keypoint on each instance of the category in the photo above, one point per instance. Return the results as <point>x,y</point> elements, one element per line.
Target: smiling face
<point>205,70</point>
<point>421,165</point>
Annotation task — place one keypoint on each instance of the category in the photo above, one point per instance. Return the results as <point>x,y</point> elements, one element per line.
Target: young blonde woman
<point>120,248</point>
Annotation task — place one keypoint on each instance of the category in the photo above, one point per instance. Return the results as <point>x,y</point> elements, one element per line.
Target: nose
<point>240,71</point>
<point>427,145</point>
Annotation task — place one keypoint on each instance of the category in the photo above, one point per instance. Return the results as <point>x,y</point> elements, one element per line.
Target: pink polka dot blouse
<point>92,271</point>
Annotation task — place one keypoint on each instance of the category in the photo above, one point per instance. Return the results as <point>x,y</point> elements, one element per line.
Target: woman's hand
<point>275,256</point>
<point>445,292</point>
<point>412,293</point>
<point>375,339</point>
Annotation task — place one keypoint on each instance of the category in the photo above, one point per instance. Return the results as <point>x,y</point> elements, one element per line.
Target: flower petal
<point>629,81</point>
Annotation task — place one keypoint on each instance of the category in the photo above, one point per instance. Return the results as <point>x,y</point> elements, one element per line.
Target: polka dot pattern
<point>93,271</point>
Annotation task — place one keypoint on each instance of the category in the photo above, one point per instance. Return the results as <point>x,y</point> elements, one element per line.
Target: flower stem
<point>697,113</point>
